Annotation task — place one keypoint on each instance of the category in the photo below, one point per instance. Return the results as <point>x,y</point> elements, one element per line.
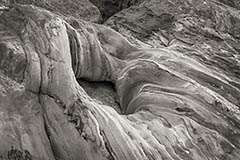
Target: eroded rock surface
<point>110,7</point>
<point>80,9</point>
<point>177,101</point>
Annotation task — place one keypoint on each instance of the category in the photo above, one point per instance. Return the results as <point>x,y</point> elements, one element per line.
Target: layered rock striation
<point>80,9</point>
<point>180,101</point>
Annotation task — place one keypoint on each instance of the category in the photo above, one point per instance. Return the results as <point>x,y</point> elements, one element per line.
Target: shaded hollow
<point>110,7</point>
<point>102,92</point>
<point>92,66</point>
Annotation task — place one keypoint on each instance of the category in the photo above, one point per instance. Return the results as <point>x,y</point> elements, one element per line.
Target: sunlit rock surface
<point>175,96</point>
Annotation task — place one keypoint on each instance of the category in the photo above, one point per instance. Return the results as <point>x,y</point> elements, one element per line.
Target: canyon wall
<point>162,83</point>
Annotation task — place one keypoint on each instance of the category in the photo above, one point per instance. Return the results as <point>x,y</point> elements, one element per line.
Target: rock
<point>205,31</point>
<point>79,9</point>
<point>180,101</point>
<point>232,3</point>
<point>110,7</point>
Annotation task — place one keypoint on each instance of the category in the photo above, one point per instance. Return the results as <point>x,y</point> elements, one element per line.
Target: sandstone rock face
<point>176,85</point>
<point>79,9</point>
<point>232,3</point>
<point>110,7</point>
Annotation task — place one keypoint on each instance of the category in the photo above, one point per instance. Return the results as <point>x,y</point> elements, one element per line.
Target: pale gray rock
<point>80,9</point>
<point>170,103</point>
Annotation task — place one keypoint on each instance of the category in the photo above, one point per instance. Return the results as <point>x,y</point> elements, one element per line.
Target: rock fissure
<point>108,147</point>
<point>48,133</point>
<point>110,7</point>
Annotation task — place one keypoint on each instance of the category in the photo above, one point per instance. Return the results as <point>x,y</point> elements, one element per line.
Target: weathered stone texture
<point>176,91</point>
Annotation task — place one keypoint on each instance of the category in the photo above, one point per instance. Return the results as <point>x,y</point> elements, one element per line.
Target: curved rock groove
<point>172,105</point>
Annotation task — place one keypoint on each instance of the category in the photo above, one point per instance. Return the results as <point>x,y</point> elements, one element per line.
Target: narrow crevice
<point>111,155</point>
<point>46,129</point>
<point>110,7</point>
<point>48,134</point>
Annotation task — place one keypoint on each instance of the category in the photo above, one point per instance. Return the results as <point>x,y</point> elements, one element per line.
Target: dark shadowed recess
<point>110,7</point>
<point>102,92</point>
